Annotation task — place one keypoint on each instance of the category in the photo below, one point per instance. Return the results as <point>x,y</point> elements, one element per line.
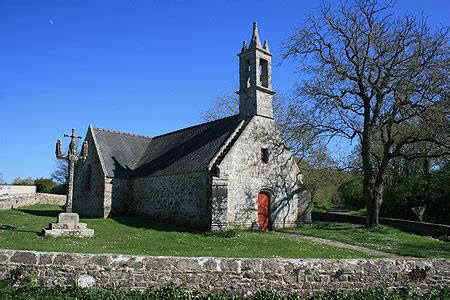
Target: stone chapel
<point>215,175</point>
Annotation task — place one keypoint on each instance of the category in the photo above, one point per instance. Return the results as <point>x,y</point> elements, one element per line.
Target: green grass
<point>19,229</point>
<point>383,238</point>
<point>361,212</point>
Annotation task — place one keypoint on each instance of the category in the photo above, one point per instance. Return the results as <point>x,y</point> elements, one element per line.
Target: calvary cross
<point>72,157</point>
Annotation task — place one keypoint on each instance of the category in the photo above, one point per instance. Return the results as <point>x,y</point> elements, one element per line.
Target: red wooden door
<point>263,211</point>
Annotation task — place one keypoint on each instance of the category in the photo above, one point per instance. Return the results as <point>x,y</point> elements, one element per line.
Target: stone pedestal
<point>68,225</point>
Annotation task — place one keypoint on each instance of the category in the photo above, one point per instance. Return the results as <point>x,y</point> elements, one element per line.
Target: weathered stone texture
<point>68,225</point>
<point>19,200</point>
<point>118,194</point>
<point>219,203</point>
<point>304,276</point>
<point>88,197</point>
<point>247,176</point>
<point>180,198</point>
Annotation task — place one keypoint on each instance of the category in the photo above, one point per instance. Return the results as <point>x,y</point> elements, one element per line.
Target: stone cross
<point>72,157</point>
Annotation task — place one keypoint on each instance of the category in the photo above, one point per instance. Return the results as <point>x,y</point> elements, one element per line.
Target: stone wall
<point>118,194</point>
<point>247,175</point>
<point>180,198</point>
<point>89,184</point>
<point>6,189</point>
<point>19,200</point>
<point>304,276</point>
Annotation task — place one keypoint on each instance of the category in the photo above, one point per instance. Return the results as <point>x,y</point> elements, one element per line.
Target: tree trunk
<point>374,198</point>
<point>372,214</point>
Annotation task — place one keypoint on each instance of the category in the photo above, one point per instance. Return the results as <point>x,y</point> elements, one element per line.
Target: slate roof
<point>120,151</point>
<point>181,151</point>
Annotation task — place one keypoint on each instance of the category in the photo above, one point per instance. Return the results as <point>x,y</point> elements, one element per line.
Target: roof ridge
<point>123,133</point>
<point>193,126</point>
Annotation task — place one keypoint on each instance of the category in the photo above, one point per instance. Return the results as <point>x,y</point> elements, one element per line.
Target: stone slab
<point>68,218</point>
<point>68,232</point>
<point>67,225</point>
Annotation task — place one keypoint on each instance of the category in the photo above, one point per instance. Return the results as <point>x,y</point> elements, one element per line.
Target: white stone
<point>85,281</point>
<point>68,218</point>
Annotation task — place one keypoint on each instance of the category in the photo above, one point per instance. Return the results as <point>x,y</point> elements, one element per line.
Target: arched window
<point>263,73</point>
<point>88,178</point>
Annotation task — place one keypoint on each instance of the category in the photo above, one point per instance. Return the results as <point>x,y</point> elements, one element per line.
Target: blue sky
<point>146,67</point>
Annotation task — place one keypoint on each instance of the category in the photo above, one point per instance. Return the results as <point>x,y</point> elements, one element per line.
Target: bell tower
<point>255,78</point>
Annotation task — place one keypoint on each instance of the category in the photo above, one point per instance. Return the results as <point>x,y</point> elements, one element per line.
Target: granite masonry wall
<point>237,275</point>
<point>18,200</point>
<point>118,193</point>
<point>180,198</point>
<point>89,184</point>
<point>247,175</point>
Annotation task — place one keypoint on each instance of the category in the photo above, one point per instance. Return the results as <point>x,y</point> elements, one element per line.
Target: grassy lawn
<point>19,229</point>
<point>384,238</point>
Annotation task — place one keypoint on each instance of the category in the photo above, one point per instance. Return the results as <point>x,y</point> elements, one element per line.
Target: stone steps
<point>68,225</point>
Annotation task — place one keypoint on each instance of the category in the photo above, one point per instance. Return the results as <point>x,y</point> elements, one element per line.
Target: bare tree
<point>23,181</point>
<point>375,78</point>
<point>223,106</point>
<point>2,180</point>
<point>303,142</point>
<point>60,173</point>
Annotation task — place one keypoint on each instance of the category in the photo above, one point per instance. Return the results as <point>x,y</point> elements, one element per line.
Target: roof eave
<point>235,134</point>
<point>97,148</point>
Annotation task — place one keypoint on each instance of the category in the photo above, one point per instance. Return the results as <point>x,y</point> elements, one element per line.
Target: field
<point>19,229</point>
<point>383,238</point>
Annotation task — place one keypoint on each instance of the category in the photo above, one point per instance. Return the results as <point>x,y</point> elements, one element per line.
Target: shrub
<point>407,191</point>
<point>44,185</point>
<point>60,189</point>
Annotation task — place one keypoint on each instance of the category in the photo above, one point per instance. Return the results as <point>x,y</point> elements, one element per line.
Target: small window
<point>264,155</point>
<point>263,73</point>
<point>249,78</point>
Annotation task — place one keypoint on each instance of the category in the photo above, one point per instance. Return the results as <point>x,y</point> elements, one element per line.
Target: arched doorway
<point>263,211</point>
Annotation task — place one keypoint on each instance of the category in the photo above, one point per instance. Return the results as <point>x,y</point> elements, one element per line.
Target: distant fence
<point>8,201</point>
<point>405,225</point>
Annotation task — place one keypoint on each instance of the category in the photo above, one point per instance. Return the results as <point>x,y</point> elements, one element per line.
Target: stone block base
<point>68,225</point>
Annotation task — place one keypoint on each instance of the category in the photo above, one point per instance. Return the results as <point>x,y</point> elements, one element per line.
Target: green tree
<point>375,78</point>
<point>44,185</point>
<point>351,193</point>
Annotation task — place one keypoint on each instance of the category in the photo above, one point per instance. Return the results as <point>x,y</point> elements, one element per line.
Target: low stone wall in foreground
<point>237,275</point>
<point>18,200</point>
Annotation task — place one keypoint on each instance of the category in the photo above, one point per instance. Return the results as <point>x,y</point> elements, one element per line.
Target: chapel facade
<point>232,171</point>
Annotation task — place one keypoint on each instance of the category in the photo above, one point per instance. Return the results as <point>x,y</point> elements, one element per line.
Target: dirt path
<point>341,245</point>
